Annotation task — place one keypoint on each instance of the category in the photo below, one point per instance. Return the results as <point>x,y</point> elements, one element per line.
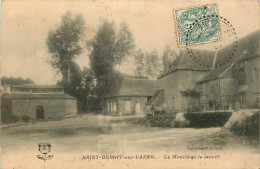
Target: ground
<point>75,139</point>
<point>111,134</point>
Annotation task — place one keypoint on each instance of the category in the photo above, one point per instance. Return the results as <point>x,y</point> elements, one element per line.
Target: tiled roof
<point>135,87</point>
<point>185,62</point>
<point>248,47</point>
<point>37,96</point>
<point>32,86</point>
<point>157,99</point>
<point>216,72</point>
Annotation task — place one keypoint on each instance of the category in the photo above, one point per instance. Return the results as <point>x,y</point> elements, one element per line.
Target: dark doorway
<point>39,112</point>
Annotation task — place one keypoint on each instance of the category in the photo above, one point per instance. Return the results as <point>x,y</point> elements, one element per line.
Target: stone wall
<point>53,108</point>
<point>221,91</point>
<point>252,87</point>
<point>176,82</point>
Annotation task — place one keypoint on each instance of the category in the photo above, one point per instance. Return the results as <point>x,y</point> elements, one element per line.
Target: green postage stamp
<point>197,25</point>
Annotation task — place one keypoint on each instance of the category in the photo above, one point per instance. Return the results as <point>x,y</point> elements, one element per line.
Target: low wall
<point>208,119</point>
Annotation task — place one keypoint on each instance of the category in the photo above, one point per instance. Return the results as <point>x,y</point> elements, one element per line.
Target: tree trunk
<point>69,75</point>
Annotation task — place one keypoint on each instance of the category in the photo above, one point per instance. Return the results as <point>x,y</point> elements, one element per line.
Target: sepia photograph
<point>130,84</point>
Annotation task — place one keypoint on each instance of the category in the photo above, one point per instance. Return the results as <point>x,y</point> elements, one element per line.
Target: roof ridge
<point>214,60</point>
<point>181,60</point>
<point>226,70</point>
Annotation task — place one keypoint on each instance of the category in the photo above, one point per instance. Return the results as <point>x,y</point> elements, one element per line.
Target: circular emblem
<point>204,28</point>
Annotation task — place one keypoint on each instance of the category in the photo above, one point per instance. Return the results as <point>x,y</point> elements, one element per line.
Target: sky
<point>25,25</point>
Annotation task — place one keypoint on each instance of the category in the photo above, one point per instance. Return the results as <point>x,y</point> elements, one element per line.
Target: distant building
<point>37,102</point>
<point>129,96</point>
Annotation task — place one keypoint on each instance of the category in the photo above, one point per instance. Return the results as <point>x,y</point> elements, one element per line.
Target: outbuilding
<point>37,102</point>
<point>129,96</point>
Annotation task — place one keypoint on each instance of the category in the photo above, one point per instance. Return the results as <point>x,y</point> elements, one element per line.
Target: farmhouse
<point>187,86</point>
<point>129,96</point>
<point>236,84</point>
<point>180,76</point>
<point>37,102</point>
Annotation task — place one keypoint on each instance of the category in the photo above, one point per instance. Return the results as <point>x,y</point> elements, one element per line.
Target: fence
<point>211,106</point>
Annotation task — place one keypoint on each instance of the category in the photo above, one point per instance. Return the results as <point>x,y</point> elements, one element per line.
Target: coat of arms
<point>44,149</point>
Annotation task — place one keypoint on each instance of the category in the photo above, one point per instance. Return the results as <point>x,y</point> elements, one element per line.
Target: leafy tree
<point>64,44</point>
<point>82,87</point>
<point>147,64</point>
<point>88,80</point>
<point>139,58</point>
<point>107,50</point>
<point>168,57</point>
<point>192,95</point>
<point>76,79</point>
<point>87,93</point>
<point>153,65</point>
<point>15,81</point>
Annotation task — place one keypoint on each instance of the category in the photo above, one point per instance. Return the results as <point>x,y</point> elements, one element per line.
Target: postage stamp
<point>207,31</point>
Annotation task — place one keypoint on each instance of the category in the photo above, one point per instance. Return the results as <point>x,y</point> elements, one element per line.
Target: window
<point>107,106</point>
<point>39,90</point>
<point>242,77</point>
<point>114,107</point>
<point>137,107</point>
<point>173,103</point>
<point>148,98</point>
<point>21,90</point>
<point>241,65</point>
<point>128,106</point>
<point>182,108</point>
<point>56,90</point>
<point>110,107</point>
<point>206,98</point>
<point>170,102</point>
<point>242,100</point>
<point>42,90</point>
<point>34,90</point>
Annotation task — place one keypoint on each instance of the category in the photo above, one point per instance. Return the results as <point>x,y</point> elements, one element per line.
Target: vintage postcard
<point>130,84</point>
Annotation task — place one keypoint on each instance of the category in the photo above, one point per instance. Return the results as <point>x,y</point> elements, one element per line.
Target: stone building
<point>129,96</point>
<point>218,86</point>
<point>37,102</point>
<point>180,76</point>
<point>234,84</point>
<point>248,72</point>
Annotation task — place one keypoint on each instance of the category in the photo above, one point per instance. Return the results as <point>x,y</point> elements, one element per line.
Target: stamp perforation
<point>176,27</point>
